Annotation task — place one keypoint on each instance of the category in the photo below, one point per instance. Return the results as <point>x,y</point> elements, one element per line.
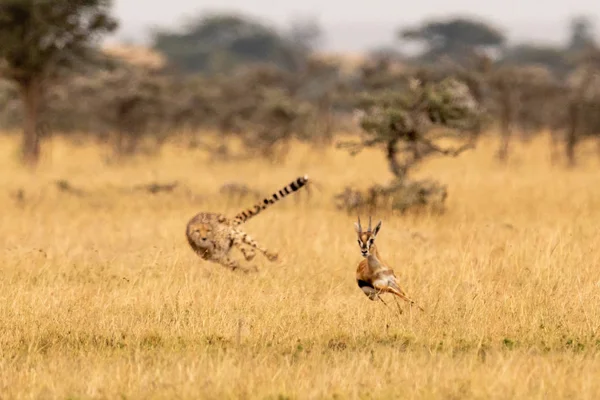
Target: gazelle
<point>373,276</point>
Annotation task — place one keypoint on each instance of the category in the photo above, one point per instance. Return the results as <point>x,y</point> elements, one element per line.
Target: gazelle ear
<point>377,228</point>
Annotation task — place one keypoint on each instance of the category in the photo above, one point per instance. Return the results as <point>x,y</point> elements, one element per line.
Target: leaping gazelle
<point>373,276</point>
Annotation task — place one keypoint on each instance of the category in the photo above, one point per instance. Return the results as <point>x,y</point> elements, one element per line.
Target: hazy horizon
<point>358,27</point>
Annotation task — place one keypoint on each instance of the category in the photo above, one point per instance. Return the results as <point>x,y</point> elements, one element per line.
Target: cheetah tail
<point>267,201</point>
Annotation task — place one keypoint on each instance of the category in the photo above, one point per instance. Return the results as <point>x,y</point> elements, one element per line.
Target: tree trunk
<point>573,131</point>
<point>325,121</point>
<point>554,146</point>
<point>507,120</point>
<point>390,153</point>
<point>576,109</point>
<point>31,96</point>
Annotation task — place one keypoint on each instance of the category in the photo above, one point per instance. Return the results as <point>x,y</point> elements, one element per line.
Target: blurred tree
<point>455,37</point>
<point>583,100</point>
<point>221,42</point>
<point>305,33</point>
<point>37,39</point>
<point>551,57</point>
<point>524,97</point>
<point>386,53</point>
<point>582,34</point>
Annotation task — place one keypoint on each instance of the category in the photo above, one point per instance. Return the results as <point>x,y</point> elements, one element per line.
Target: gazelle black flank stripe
<point>280,194</point>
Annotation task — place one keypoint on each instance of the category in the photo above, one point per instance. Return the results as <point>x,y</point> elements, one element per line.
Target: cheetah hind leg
<point>235,265</point>
<point>246,239</point>
<point>247,252</point>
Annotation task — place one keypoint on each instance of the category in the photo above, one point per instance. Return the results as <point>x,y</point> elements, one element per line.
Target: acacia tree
<point>455,38</point>
<point>38,38</point>
<point>217,42</point>
<point>411,123</point>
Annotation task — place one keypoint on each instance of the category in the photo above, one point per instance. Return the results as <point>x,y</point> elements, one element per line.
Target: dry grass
<point>102,298</point>
<point>137,55</point>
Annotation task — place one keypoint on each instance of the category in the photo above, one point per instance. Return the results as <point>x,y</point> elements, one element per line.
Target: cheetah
<point>213,235</point>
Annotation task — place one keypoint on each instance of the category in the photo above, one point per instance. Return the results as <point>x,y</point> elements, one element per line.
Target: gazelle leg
<point>380,298</point>
<point>398,306</point>
<point>400,311</point>
<point>405,298</point>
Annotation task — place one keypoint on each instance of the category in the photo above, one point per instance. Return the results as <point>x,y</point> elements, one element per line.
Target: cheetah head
<point>201,237</point>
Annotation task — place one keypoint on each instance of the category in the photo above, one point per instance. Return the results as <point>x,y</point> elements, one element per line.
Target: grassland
<point>100,296</point>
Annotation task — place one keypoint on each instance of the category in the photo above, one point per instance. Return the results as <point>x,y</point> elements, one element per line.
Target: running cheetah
<point>212,235</point>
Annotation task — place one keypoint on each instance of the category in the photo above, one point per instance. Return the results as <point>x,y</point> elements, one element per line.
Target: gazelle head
<point>366,239</point>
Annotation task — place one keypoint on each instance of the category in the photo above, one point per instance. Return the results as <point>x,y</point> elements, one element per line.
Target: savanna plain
<point>101,296</point>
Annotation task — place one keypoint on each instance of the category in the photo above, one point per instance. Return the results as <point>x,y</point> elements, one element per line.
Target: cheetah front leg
<point>243,238</point>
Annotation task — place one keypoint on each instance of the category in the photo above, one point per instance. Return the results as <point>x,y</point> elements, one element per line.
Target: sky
<point>359,25</point>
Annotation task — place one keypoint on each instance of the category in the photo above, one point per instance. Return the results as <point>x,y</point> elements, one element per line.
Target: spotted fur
<point>213,235</point>
<point>373,276</point>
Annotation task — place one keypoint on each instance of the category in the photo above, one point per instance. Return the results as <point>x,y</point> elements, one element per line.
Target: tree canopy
<point>37,39</point>
<point>582,34</point>
<point>453,37</point>
<point>37,36</point>
<point>221,42</point>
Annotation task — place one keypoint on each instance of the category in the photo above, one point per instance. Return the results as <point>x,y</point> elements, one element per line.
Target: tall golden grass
<point>100,296</point>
